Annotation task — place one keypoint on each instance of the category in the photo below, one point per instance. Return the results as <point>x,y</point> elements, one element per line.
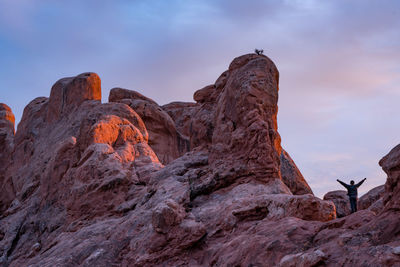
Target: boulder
<point>312,258</point>
<point>341,201</point>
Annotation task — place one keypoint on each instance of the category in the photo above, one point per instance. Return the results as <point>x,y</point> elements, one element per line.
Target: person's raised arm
<point>342,183</point>
<point>360,183</point>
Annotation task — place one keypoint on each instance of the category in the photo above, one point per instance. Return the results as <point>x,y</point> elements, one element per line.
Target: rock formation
<point>130,183</point>
<point>181,113</point>
<point>373,199</point>
<point>341,201</point>
<point>7,121</point>
<point>164,138</point>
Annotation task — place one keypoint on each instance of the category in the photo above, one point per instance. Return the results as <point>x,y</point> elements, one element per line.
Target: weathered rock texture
<point>369,199</point>
<point>391,165</point>
<point>7,121</point>
<point>341,201</point>
<point>164,138</point>
<point>87,188</point>
<point>182,114</point>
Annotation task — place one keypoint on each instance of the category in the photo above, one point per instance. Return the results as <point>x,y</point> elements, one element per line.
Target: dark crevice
<point>148,196</point>
<point>14,242</point>
<point>84,159</point>
<point>199,243</point>
<point>254,214</point>
<point>218,181</point>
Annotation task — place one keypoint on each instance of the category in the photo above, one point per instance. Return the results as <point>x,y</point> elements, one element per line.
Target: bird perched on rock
<point>259,51</point>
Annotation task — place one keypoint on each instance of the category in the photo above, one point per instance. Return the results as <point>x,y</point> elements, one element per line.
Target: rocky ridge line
<point>130,183</point>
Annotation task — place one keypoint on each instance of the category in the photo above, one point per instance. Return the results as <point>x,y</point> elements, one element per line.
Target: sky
<point>339,64</point>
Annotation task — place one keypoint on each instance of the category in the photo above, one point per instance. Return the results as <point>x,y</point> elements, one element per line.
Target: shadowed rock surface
<point>88,187</point>
<point>181,113</point>
<point>369,199</point>
<point>341,201</point>
<point>292,176</point>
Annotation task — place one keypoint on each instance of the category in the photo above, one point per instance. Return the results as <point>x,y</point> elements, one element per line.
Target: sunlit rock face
<point>69,93</point>
<point>167,142</point>
<point>7,121</point>
<point>130,183</point>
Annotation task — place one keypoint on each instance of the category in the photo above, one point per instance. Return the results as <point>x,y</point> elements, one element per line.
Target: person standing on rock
<point>352,192</point>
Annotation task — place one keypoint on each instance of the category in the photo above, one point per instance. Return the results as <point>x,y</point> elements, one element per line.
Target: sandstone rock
<point>389,164</point>
<point>256,244</point>
<point>82,164</point>
<point>245,130</point>
<point>292,176</point>
<point>369,198</point>
<point>206,94</point>
<point>91,191</point>
<point>341,201</point>
<point>226,209</point>
<point>117,94</point>
<point>202,127</point>
<point>182,114</point>
<point>68,93</point>
<point>377,206</point>
<point>124,156</point>
<point>166,141</point>
<point>305,207</point>
<point>92,155</point>
<point>29,128</point>
<point>312,258</point>
<point>236,123</point>
<point>7,121</point>
<point>167,214</point>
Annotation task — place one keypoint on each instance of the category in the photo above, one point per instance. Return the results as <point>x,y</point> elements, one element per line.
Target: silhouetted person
<point>352,192</point>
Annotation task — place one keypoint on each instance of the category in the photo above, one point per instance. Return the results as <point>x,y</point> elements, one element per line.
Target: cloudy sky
<point>339,64</point>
